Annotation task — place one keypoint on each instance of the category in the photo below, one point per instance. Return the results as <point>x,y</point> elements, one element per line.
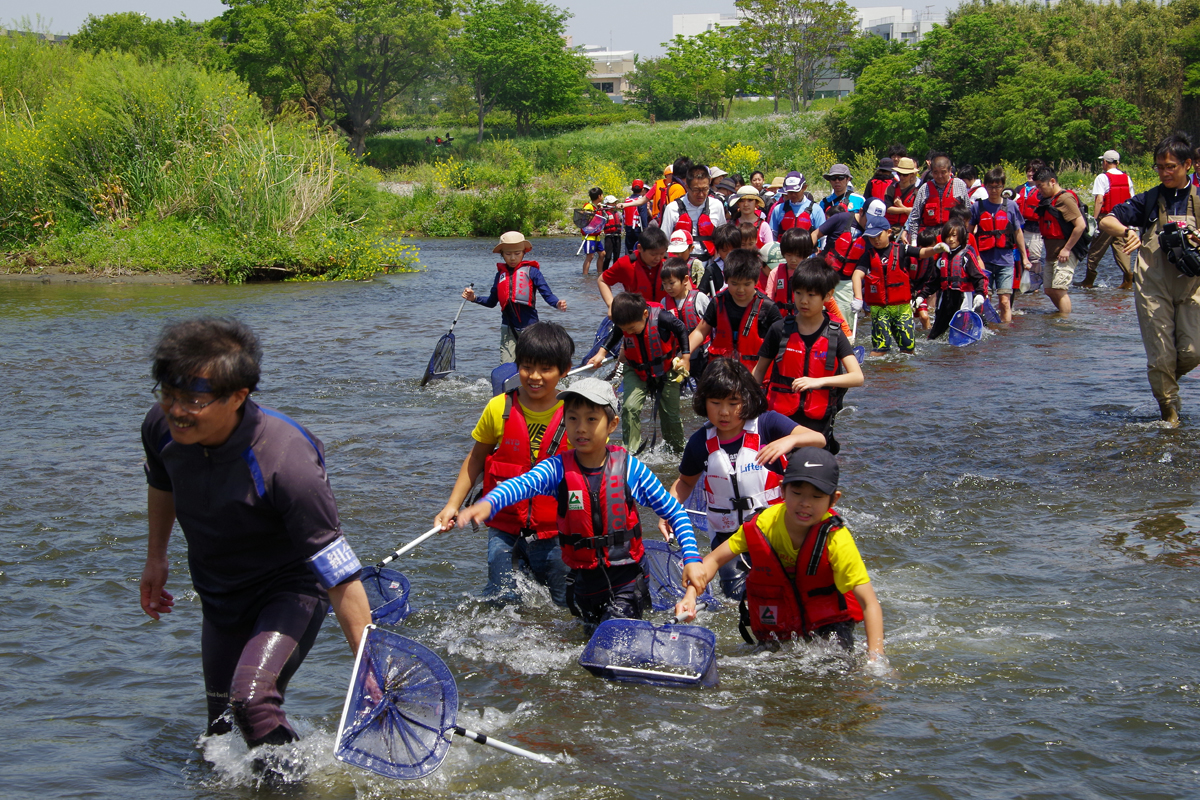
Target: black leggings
<point>247,668</point>
<point>949,304</point>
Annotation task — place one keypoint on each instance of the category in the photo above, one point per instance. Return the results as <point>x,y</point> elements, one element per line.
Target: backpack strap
<point>833,331</point>
<point>827,527</point>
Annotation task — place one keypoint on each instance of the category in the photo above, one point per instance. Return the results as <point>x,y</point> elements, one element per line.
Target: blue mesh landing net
<point>504,378</point>
<point>697,506</point>
<point>441,363</point>
<point>663,566</point>
<point>602,334</point>
<point>387,592</point>
<point>989,312</point>
<point>638,651</point>
<point>401,701</point>
<point>965,328</point>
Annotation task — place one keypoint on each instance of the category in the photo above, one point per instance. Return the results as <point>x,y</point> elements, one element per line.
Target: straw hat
<point>751,192</point>
<point>512,238</point>
<point>906,166</point>
<point>776,183</point>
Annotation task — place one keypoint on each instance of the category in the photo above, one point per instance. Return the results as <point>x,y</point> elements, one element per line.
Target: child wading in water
<point>514,432</point>
<point>593,243</point>
<point>513,288</point>
<point>596,488</point>
<point>807,577</point>
<point>656,350</point>
<point>811,360</point>
<point>883,281</point>
<point>739,453</point>
<point>958,270</point>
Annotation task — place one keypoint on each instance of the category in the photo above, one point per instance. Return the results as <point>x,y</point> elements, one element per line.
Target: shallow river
<point>1029,528</point>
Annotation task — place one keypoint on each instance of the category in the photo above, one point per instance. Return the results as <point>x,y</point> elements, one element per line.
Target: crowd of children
<point>752,290</point>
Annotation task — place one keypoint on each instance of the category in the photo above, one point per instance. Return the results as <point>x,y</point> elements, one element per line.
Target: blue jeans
<point>542,556</point>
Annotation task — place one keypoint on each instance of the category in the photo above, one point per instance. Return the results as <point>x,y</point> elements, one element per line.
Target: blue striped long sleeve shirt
<point>647,490</point>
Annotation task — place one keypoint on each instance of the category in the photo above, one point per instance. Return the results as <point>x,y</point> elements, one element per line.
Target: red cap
<point>638,183</point>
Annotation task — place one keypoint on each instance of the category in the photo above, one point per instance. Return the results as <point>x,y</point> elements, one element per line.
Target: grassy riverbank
<point>112,164</point>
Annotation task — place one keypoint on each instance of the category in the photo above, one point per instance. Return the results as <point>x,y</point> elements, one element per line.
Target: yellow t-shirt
<point>490,428</point>
<point>847,565</point>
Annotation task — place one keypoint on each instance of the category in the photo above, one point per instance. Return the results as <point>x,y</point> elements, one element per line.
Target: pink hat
<point>681,242</point>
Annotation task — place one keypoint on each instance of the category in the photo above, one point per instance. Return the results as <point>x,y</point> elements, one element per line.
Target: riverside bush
<point>121,164</point>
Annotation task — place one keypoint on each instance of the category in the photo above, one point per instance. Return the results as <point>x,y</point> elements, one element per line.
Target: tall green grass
<point>116,164</point>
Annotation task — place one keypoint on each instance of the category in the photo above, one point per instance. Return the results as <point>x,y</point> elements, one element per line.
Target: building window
<point>606,87</point>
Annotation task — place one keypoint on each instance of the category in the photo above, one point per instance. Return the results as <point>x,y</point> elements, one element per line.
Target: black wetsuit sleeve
<point>695,454</point>
<point>669,326</point>
<point>155,436</point>
<point>613,339</point>
<point>771,342</point>
<point>767,317</point>
<point>710,313</point>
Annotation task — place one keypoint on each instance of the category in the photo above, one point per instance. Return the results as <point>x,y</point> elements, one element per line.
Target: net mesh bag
<point>400,703</point>
<point>661,655</point>
<point>663,566</point>
<point>441,363</point>
<point>965,328</point>
<point>387,593</point>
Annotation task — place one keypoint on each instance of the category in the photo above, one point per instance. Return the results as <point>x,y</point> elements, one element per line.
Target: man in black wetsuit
<point>265,547</point>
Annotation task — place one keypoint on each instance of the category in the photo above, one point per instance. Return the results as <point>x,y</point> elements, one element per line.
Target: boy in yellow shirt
<point>516,431</point>
<point>806,576</point>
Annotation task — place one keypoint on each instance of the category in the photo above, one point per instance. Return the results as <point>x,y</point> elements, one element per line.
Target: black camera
<point>1175,240</point>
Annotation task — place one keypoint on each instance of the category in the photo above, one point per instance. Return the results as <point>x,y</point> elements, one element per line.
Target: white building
<point>888,22</point>
<point>609,68</point>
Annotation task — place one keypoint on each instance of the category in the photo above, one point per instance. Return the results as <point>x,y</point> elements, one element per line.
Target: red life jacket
<point>782,606</point>
<point>516,285</point>
<point>1027,201</point>
<point>905,196</point>
<point>647,353</point>
<point>878,187</point>
<point>840,257</point>
<point>612,222</point>
<point>633,217</point>
<point>886,284</point>
<point>1119,190</point>
<point>743,343</point>
<point>936,210</point>
<point>1050,220</point>
<point>993,229</point>
<point>646,281</point>
<point>781,295</point>
<point>513,457</point>
<point>686,312</point>
<point>598,525</point>
<point>791,219</point>
<point>953,268</point>
<point>794,360</point>
<point>704,227</point>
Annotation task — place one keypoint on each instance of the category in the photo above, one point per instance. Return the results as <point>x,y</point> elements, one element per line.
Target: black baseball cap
<point>813,465</point>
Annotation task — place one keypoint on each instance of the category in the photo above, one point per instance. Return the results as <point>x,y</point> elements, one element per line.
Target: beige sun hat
<point>512,238</point>
<point>777,182</point>
<point>751,192</point>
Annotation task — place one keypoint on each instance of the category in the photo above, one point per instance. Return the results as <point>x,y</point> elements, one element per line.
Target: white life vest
<point>734,497</point>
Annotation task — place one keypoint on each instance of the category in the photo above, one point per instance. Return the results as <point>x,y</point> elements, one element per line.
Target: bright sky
<point>639,25</point>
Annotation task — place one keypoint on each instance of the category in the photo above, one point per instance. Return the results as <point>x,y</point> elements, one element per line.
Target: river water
<point>1028,525</point>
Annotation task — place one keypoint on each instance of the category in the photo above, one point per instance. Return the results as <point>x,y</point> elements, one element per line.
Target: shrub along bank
<point>110,163</point>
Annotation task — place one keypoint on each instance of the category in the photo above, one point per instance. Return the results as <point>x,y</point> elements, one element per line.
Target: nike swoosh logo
<point>811,465</point>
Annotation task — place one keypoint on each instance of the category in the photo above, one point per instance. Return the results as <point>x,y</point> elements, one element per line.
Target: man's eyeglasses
<point>190,405</point>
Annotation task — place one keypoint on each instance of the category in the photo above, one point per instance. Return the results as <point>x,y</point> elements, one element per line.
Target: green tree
<point>345,58</point>
<point>806,35</point>
<point>513,54</point>
<point>648,91</point>
<point>889,103</point>
<point>864,50</point>
<point>702,73</point>
<point>131,32</point>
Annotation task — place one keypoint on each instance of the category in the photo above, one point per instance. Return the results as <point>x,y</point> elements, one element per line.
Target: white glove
<point>856,305</point>
<point>978,302</point>
<point>945,248</point>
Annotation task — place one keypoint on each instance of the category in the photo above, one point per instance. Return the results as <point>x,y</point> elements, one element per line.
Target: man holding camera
<point>1166,277</point>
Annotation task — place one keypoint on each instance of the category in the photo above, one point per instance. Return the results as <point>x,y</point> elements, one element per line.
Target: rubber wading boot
<point>1170,413</point>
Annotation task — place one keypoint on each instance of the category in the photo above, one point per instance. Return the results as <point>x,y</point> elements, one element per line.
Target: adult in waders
<point>265,547</point>
<point>1166,291</point>
<point>1111,188</point>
